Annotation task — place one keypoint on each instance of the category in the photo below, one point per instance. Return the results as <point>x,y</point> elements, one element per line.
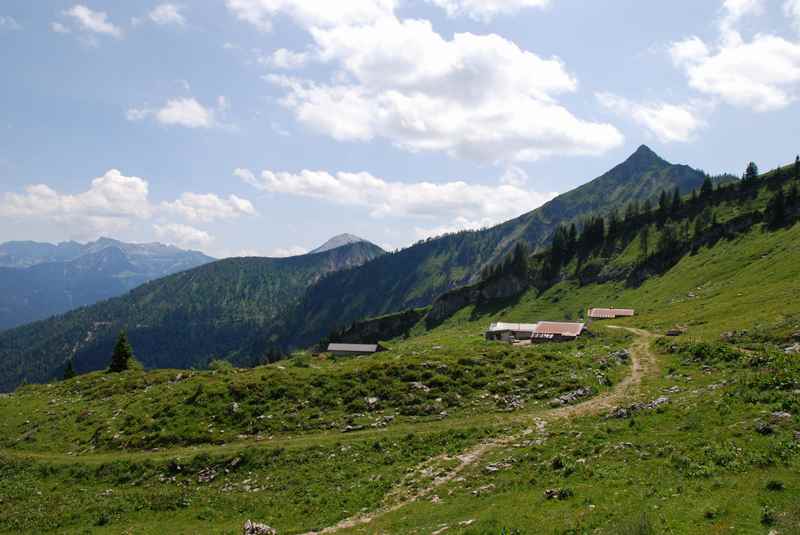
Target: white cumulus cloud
<point>187,112</point>
<point>93,21</point>
<point>311,13</point>
<point>164,14</point>
<point>762,74</point>
<point>449,201</point>
<point>287,59</point>
<point>471,96</point>
<point>486,10</point>
<point>182,235</point>
<point>792,10</point>
<point>668,122</point>
<point>9,24</point>
<point>209,207</point>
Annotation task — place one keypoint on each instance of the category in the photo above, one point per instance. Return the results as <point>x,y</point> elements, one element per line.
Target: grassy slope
<point>695,466</point>
<point>227,308</point>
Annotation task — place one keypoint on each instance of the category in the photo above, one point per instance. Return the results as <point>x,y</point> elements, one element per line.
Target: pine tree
<point>677,203</point>
<point>123,354</point>
<point>750,175</point>
<point>644,243</point>
<point>69,371</point>
<point>776,210</point>
<point>797,168</point>
<point>707,189</point>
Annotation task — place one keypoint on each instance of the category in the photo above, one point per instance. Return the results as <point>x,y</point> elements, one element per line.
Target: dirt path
<point>643,363</point>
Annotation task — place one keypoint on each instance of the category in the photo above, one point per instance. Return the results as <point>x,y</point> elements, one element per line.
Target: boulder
<point>254,528</point>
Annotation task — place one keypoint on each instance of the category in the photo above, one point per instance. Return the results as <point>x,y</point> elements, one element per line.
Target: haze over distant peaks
<point>338,241</point>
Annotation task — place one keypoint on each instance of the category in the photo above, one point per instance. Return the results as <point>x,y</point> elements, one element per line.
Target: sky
<point>264,127</point>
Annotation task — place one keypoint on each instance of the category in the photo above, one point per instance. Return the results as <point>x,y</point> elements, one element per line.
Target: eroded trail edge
<point>643,363</point>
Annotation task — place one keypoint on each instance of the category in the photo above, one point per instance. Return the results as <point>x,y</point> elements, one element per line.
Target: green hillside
<point>448,433</point>
<point>246,310</point>
<point>227,308</point>
<point>415,276</point>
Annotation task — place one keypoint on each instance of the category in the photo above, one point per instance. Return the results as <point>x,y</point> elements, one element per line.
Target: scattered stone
<point>253,528</point>
<point>673,389</point>
<point>467,522</point>
<point>557,494</point>
<point>235,462</point>
<point>420,386</point>
<point>763,428</point>
<point>234,408</point>
<point>351,428</point>
<point>442,529</point>
<point>372,402</point>
<point>483,490</point>
<point>496,467</point>
<point>623,355</point>
<point>206,475</point>
<point>435,499</point>
<point>792,349</point>
<point>571,397</point>
<point>107,493</point>
<point>625,412</point>
<point>511,403</point>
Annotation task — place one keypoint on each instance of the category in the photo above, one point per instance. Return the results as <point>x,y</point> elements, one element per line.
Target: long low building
<point>557,331</point>
<point>543,331</point>
<point>610,313</point>
<point>354,349</point>
<point>510,331</point>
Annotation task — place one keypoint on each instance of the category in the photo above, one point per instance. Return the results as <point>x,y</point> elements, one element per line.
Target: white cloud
<point>285,252</point>
<point>486,10</point>
<point>448,201</point>
<point>93,21</point>
<point>287,59</point>
<point>472,96</point>
<point>57,27</point>
<point>187,112</point>
<point>668,122</point>
<point>164,14</point>
<point>112,195</point>
<point>114,202</point>
<point>763,75</point>
<point>792,10</point>
<point>475,97</point>
<point>311,13</point>
<point>209,207</point>
<point>9,24</point>
<point>182,235</point>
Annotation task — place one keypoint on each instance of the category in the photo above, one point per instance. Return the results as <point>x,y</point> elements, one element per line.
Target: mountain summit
<point>338,241</point>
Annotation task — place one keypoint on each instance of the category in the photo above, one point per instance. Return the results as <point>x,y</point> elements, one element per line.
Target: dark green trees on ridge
<point>122,358</point>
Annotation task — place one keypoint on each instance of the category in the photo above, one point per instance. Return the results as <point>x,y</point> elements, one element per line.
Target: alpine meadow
<point>400,267</point>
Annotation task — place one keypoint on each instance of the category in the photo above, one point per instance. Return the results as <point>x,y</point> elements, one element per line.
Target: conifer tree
<point>123,354</point>
<point>776,210</point>
<point>750,174</point>
<point>707,189</point>
<point>644,243</point>
<point>676,202</point>
<point>797,168</point>
<point>69,371</point>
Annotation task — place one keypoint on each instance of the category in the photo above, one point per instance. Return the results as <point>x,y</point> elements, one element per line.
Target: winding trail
<point>643,363</point>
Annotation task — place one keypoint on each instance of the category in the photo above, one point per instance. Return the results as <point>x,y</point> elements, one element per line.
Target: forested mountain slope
<point>226,308</point>
<point>415,276</point>
<point>38,280</point>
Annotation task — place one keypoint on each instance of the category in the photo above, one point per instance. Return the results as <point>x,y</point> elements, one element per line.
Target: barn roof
<point>604,313</point>
<point>516,327</point>
<point>353,348</point>
<point>558,328</point>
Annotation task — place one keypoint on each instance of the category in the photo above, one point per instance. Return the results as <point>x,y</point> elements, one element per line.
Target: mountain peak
<point>644,155</point>
<point>337,241</point>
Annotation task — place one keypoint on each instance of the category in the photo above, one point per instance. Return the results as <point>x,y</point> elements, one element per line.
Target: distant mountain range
<point>38,280</point>
<point>242,309</point>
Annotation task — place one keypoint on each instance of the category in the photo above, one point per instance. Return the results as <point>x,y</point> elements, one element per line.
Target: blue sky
<point>267,126</point>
